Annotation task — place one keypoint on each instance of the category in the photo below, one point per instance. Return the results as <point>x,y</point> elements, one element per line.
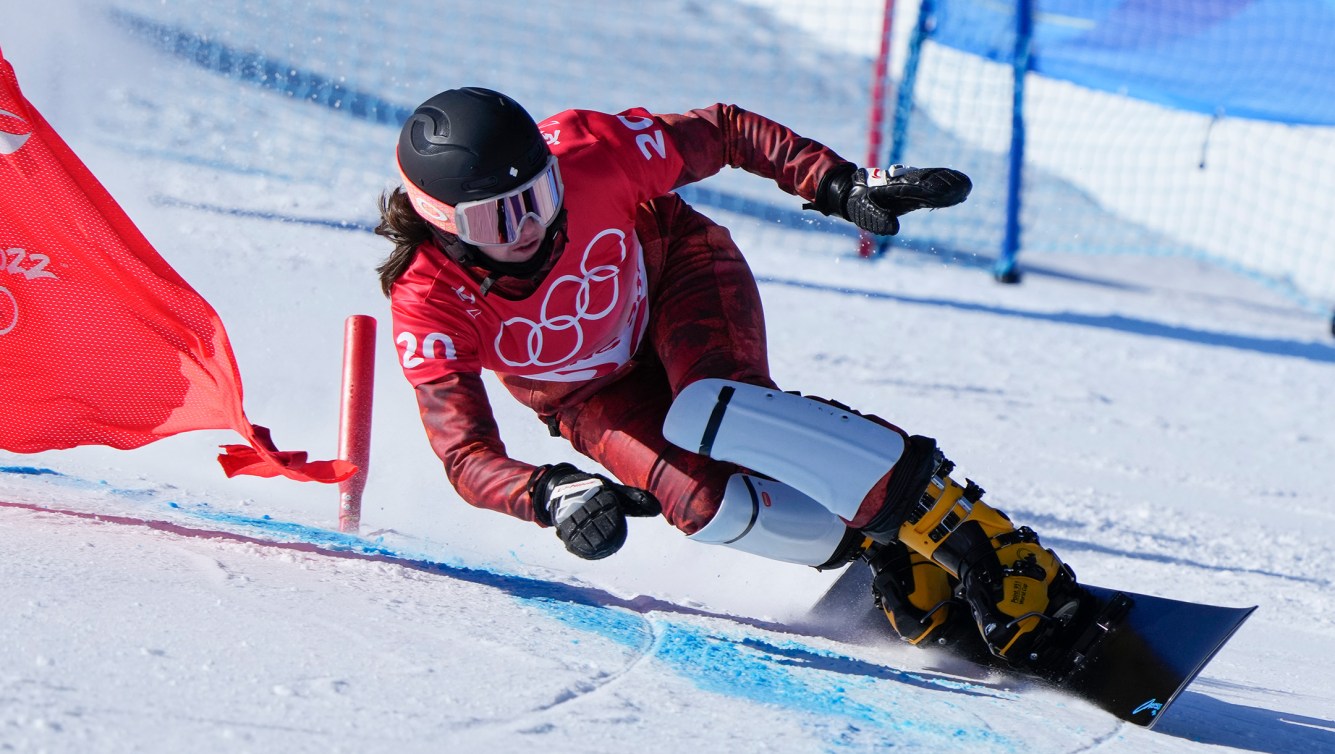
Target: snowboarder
<point>555,254</point>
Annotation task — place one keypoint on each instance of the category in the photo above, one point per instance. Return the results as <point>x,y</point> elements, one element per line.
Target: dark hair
<point>401,224</point>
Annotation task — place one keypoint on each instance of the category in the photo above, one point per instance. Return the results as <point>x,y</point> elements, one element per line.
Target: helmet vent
<point>480,184</point>
<point>430,131</point>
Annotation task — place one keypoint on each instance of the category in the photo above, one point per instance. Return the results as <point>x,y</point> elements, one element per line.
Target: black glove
<point>873,199</point>
<point>588,511</point>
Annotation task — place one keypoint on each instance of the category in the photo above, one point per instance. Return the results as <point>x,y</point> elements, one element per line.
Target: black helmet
<point>469,144</point>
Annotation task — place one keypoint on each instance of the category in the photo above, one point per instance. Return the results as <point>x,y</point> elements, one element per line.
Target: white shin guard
<point>771,519</point>
<point>834,455</point>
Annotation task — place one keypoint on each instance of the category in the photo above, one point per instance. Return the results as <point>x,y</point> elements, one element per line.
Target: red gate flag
<point>101,341</point>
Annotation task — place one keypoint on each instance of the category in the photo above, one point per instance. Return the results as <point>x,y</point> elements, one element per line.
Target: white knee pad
<point>771,519</point>
<point>833,455</point>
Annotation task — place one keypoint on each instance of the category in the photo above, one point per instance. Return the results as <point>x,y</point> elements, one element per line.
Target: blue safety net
<point>1263,59</point>
<point>1185,127</point>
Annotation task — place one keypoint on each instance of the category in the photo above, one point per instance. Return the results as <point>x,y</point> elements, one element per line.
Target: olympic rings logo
<point>569,302</point>
<point>10,141</point>
<point>9,311</point>
<point>25,266</point>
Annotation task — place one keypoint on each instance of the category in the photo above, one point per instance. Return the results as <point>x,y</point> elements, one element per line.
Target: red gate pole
<point>880,74</point>
<point>354,418</point>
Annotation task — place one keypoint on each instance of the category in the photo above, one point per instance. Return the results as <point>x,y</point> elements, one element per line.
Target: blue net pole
<point>1024,31</point>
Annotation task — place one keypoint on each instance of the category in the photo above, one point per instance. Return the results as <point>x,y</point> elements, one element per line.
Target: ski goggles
<point>496,220</point>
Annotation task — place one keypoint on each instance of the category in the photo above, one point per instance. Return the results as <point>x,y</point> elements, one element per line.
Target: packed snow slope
<point>1165,425</point>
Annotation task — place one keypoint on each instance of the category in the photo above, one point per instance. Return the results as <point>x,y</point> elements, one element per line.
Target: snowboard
<point>1141,651</point>
<point>1131,654</point>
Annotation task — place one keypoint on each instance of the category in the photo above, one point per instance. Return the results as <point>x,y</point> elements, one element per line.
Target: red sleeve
<point>462,430</point>
<point>712,138</point>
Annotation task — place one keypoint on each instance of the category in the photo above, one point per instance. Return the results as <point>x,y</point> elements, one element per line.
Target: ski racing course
<point>1163,423</point>
<point>314,639</point>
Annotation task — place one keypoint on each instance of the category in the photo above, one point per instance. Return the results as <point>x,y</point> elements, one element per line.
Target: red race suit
<point>644,296</point>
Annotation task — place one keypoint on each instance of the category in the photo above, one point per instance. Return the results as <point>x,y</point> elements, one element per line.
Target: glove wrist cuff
<point>540,488</point>
<point>833,190</point>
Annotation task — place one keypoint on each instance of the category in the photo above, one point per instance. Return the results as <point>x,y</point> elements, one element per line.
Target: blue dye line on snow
<point>29,471</point>
<point>732,669</point>
<point>805,679</point>
<point>222,166</point>
<point>1319,352</point>
<point>624,627</point>
<point>789,674</point>
<point>65,480</point>
<point>790,219</point>
<point>167,201</point>
<point>324,538</point>
<point>256,68</point>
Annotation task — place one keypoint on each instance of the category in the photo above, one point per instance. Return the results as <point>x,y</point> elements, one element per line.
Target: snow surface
<point>1164,424</point>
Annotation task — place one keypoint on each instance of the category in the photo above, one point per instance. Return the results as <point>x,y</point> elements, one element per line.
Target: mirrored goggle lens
<point>497,221</point>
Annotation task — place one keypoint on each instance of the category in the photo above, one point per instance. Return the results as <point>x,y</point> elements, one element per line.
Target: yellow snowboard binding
<point>916,595</point>
<point>1020,594</point>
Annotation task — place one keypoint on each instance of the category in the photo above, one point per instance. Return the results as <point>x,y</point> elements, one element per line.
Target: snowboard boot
<point>1021,595</point>
<point>916,595</point>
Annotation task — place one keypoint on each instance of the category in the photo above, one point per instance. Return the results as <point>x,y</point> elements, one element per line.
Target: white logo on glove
<point>882,176</point>
<point>570,497</point>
